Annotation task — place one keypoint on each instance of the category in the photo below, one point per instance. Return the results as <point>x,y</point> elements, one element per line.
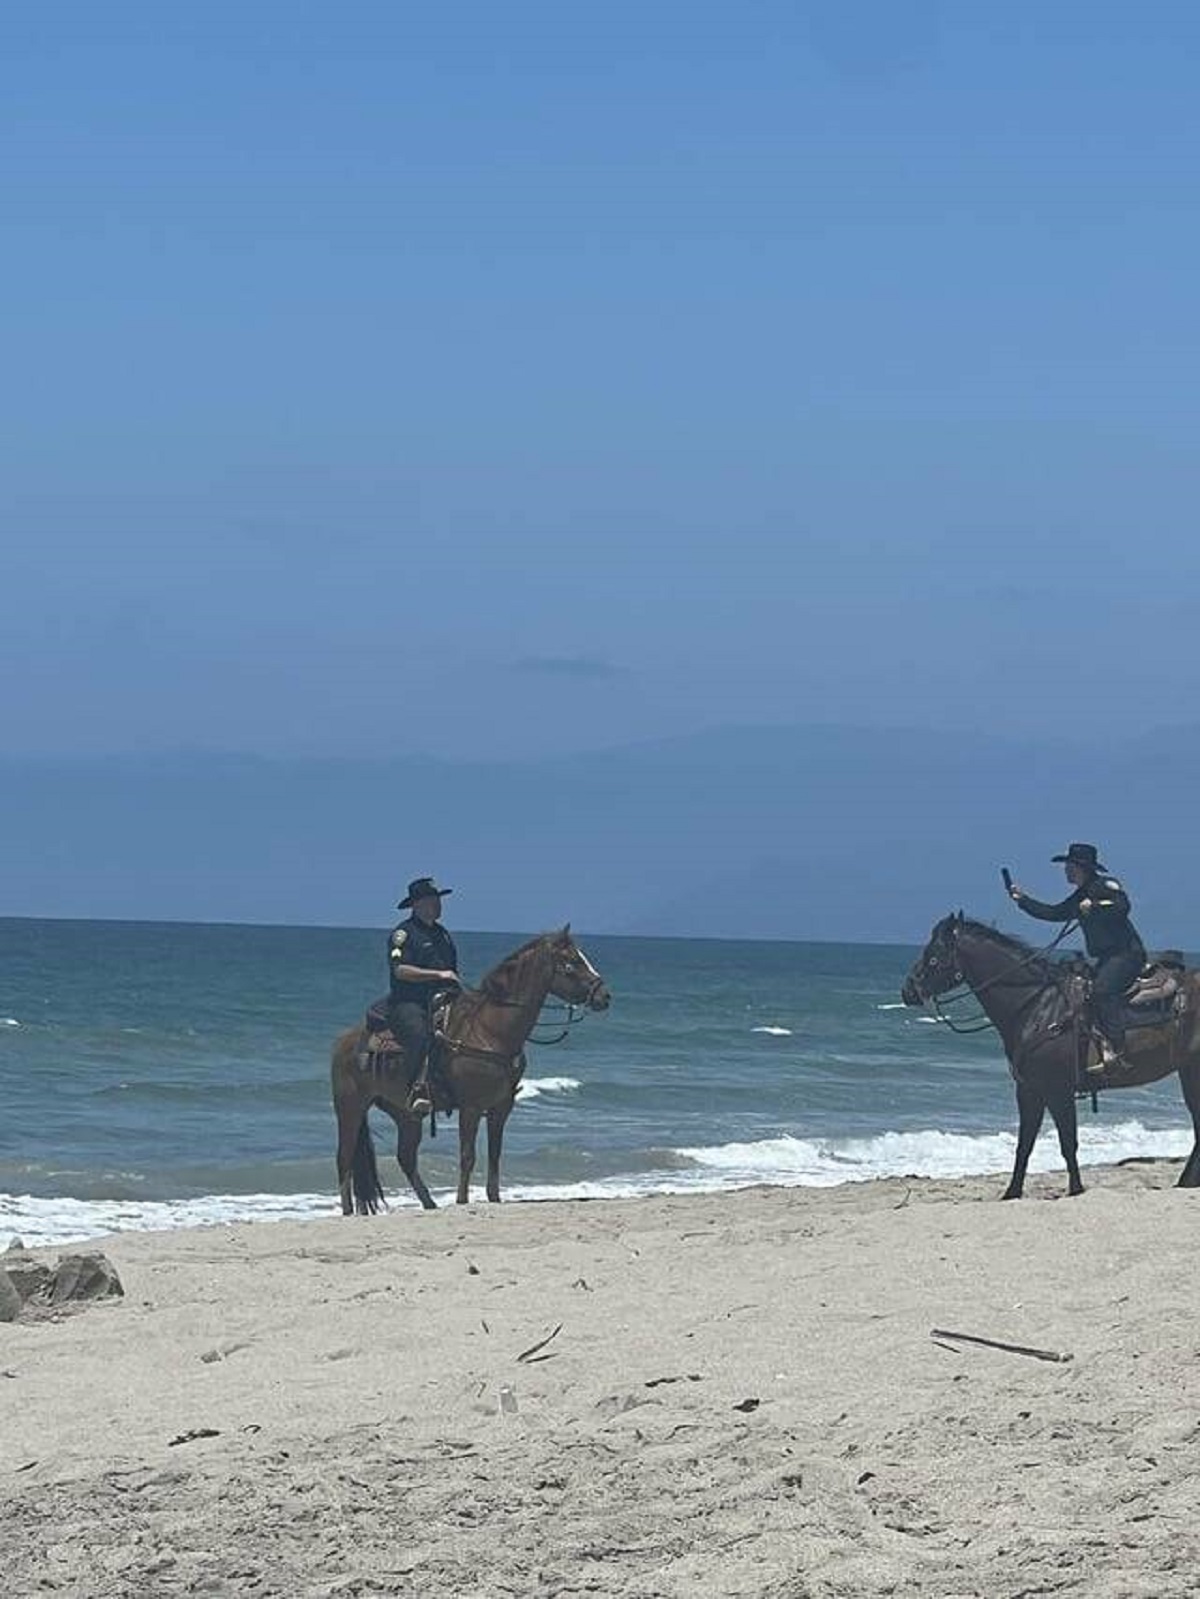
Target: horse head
<point>938,968</point>
<point>573,978</point>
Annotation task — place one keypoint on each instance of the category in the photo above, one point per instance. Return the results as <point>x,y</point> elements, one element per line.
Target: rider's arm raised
<point>1066,909</point>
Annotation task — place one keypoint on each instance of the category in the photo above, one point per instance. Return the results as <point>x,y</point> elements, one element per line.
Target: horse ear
<point>564,936</point>
<point>960,918</point>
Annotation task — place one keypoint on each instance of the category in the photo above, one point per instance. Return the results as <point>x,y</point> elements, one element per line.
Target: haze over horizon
<point>501,384</point>
<point>822,833</point>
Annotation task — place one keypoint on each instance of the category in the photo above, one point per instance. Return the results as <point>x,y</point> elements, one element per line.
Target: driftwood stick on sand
<point>527,1354</point>
<point>939,1333</point>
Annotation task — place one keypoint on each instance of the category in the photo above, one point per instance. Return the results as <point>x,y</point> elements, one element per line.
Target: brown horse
<point>1029,999</point>
<point>479,1058</point>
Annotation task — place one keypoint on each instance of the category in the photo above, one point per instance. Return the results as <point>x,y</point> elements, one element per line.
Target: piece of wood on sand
<point>940,1334</point>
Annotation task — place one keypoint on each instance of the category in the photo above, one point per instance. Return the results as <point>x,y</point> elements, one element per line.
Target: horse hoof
<point>1011,1193</point>
<point>1075,1190</point>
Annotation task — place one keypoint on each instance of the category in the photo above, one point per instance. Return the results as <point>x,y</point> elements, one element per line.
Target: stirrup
<point>420,1100</point>
<point>1109,1058</point>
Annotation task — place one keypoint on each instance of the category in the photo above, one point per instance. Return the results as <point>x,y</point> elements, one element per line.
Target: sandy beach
<point>742,1398</point>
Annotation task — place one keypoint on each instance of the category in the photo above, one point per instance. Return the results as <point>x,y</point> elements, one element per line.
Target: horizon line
<point>460,932</point>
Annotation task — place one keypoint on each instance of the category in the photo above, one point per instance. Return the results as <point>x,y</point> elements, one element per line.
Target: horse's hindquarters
<point>345,1058</point>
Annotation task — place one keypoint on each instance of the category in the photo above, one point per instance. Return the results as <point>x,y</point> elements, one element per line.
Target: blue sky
<point>527,376</point>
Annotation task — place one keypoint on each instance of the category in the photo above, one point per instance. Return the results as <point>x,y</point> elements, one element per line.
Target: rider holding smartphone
<point>1101,906</point>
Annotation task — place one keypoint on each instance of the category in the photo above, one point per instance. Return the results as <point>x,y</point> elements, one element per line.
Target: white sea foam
<point>42,1223</point>
<point>926,1153</point>
<point>785,1161</point>
<point>775,1032</point>
<point>534,1087</point>
<point>9,1021</point>
<point>62,1221</point>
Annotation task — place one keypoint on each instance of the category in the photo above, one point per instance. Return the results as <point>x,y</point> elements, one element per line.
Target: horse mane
<point>1034,958</point>
<point>498,982</point>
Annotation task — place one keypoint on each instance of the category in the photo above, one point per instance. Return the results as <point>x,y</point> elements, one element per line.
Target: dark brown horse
<point>480,1060</point>
<point>1031,1001</point>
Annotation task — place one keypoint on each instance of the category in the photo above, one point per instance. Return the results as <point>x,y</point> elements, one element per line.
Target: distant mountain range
<point>789,832</point>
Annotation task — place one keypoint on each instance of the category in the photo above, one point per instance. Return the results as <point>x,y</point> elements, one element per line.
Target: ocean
<point>165,1075</point>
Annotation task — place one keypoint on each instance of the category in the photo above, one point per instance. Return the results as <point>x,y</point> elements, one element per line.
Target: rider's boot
<point>1110,1055</point>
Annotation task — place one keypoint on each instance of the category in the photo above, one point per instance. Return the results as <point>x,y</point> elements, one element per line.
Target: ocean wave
<point>775,1032</point>
<point>535,1087</point>
<point>893,1004</point>
<point>926,1153</point>
<point>41,1221</point>
<point>784,1162</point>
<point>9,1021</point>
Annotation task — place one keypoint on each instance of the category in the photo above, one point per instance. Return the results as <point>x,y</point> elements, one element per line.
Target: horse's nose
<point>601,999</point>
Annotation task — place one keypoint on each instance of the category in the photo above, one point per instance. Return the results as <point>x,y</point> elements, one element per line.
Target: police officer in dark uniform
<point>1101,906</point>
<point>422,963</point>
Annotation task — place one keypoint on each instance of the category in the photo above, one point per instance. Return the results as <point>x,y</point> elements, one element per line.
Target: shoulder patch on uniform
<point>398,941</point>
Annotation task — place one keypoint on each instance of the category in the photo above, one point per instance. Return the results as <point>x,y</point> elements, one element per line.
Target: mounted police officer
<point>1101,906</point>
<point>422,963</point>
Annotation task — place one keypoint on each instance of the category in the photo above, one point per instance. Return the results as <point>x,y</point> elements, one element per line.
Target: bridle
<point>983,1023</point>
<point>572,1011</point>
<point>575,1011</point>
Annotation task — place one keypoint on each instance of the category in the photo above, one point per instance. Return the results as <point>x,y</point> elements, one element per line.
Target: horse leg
<point>350,1113</point>
<point>468,1131</point>
<point>1032,1107</point>
<point>1066,1121</point>
<point>406,1153</point>
<point>1189,1078</point>
<point>496,1119</point>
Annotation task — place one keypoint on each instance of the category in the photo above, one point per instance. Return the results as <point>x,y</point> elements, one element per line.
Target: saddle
<point>381,1051</point>
<point>1158,997</point>
<point>1158,989</point>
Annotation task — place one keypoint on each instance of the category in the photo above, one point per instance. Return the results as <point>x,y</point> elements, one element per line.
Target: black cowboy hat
<point>1085,855</point>
<point>422,888</point>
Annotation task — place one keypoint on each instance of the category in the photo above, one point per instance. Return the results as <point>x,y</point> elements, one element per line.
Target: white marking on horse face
<point>587,965</point>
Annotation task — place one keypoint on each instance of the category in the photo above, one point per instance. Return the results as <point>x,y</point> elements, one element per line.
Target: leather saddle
<point>1157,998</point>
<point>1158,994</point>
<point>380,1047</point>
<point>381,1051</point>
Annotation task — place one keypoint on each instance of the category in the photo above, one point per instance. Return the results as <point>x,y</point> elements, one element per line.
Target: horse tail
<point>368,1190</point>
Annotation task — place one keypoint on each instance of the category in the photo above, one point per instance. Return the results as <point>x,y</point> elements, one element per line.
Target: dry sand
<point>743,1399</point>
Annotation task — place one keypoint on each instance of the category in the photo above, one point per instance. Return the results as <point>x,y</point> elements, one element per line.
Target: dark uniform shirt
<point>1107,930</point>
<point>417,943</point>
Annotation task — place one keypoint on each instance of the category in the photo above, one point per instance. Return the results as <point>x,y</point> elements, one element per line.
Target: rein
<point>983,1023</point>
<point>574,1015</point>
<point>977,1024</point>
